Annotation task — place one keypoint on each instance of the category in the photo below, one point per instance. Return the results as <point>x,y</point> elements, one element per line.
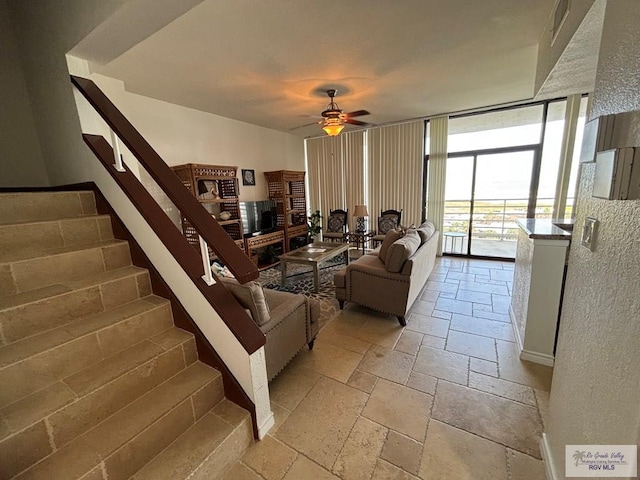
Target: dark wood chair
<point>336,226</point>
<point>388,220</point>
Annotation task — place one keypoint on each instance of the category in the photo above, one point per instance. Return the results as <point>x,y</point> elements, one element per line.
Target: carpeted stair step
<point>37,206</point>
<point>79,402</point>
<point>24,239</point>
<point>41,269</point>
<point>128,439</point>
<point>207,450</point>
<point>54,355</point>
<point>30,313</point>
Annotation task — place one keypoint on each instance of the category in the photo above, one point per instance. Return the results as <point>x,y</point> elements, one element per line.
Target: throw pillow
<point>387,223</point>
<point>426,230</point>
<point>251,296</point>
<point>389,238</point>
<point>401,250</point>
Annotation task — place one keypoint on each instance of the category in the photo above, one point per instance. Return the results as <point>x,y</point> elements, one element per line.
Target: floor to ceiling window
<point>503,166</point>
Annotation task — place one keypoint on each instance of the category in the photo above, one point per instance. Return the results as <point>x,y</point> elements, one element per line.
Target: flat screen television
<point>258,216</point>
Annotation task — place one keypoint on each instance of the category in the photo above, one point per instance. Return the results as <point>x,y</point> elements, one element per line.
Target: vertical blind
<point>396,155</point>
<point>438,133</point>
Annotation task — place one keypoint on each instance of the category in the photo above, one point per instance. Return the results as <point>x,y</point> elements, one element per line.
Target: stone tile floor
<point>444,398</point>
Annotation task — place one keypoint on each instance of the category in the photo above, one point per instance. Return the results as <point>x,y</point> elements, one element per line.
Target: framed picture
<point>248,177</point>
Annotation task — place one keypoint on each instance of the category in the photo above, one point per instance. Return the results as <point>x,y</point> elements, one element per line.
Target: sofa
<point>389,278</point>
<point>288,320</point>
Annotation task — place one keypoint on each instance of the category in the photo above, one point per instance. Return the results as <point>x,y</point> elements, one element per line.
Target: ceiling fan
<point>334,118</point>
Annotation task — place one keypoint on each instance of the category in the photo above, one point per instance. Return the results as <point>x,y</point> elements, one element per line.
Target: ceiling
<point>269,63</point>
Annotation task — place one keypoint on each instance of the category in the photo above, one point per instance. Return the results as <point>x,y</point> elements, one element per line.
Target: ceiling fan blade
<point>357,122</point>
<point>358,113</point>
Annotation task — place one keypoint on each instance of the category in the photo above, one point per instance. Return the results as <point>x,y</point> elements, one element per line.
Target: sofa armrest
<point>282,304</point>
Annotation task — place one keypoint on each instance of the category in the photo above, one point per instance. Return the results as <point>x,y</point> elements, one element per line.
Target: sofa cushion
<point>389,239</point>
<point>401,250</point>
<point>426,230</point>
<point>251,297</point>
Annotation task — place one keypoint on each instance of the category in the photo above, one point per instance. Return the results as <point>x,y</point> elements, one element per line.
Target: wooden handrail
<point>215,236</point>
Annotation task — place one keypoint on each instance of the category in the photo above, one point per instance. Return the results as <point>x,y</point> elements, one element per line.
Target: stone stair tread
<point>183,457</point>
<point>27,347</point>
<point>86,451</point>
<point>30,206</point>
<point>28,255</point>
<point>32,296</point>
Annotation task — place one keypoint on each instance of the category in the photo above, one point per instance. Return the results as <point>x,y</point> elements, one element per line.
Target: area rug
<point>300,280</point>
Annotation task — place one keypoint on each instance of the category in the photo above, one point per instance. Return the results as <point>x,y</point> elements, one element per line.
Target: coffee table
<point>313,254</point>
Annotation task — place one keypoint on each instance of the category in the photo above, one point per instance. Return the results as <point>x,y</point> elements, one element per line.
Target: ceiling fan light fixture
<point>333,126</point>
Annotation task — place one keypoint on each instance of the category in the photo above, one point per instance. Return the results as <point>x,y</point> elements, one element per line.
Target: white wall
<point>595,395</point>
<point>184,135</point>
<point>20,157</point>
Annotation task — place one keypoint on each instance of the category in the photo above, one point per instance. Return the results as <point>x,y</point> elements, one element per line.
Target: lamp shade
<point>333,126</point>
<point>360,211</point>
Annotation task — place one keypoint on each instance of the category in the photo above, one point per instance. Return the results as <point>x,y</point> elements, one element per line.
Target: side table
<point>454,236</point>
<point>359,238</point>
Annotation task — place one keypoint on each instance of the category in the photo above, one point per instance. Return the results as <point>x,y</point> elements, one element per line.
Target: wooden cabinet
<point>287,189</point>
<point>216,188</point>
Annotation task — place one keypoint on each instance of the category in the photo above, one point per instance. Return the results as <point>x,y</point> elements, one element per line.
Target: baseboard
<point>536,357</point>
<point>266,426</point>
<point>547,458</point>
<point>527,355</point>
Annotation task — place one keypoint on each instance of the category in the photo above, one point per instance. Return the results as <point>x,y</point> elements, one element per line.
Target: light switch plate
<point>589,231</point>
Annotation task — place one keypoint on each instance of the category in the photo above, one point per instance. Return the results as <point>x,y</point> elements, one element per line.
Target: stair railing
<point>211,233</point>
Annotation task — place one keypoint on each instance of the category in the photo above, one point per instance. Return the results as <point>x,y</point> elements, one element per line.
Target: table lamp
<point>360,213</point>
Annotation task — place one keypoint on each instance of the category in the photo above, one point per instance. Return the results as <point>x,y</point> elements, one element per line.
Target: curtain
<point>336,173</point>
<point>395,164</point>
<point>438,133</point>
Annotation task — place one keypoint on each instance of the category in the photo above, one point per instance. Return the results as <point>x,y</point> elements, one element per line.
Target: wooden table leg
<point>283,272</point>
<point>316,279</point>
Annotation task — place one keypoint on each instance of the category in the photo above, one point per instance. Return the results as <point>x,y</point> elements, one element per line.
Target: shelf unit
<point>216,188</point>
<point>287,189</point>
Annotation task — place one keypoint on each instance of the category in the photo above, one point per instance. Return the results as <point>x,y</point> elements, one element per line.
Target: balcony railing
<point>494,220</point>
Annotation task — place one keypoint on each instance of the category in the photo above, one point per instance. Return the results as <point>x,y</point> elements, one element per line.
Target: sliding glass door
<point>485,194</point>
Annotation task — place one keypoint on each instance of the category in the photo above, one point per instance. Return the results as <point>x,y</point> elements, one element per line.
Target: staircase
<point>96,382</point>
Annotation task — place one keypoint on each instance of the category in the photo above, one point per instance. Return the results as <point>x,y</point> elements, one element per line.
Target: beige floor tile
<point>483,366</point>
<point>482,326</point>
<point>362,381</point>
<point>502,388</point>
<point>442,364</point>
<point>291,386</point>
<point>435,342</point>
<point>409,342</point>
<point>510,423</point>
<point>429,295</point>
<point>436,327</point>
<point>387,363</point>
<point>343,341</point>
<point>241,472</point>
<point>402,451</point>
<point>423,307</point>
<point>270,458</point>
<point>450,453</point>
<point>387,471</point>
<point>280,414</point>
<point>399,408</point>
<point>357,459</point>
<point>328,360</point>
<point>524,467</point>
<point>442,287</point>
<point>542,400</point>
<point>422,382</point>
<point>472,345</point>
<point>320,425</point>
<point>305,469</point>
<point>381,330</point>
<point>519,371</point>
<point>454,306</point>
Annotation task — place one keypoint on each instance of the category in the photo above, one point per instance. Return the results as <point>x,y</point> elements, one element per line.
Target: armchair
<point>336,226</point>
<point>388,220</point>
